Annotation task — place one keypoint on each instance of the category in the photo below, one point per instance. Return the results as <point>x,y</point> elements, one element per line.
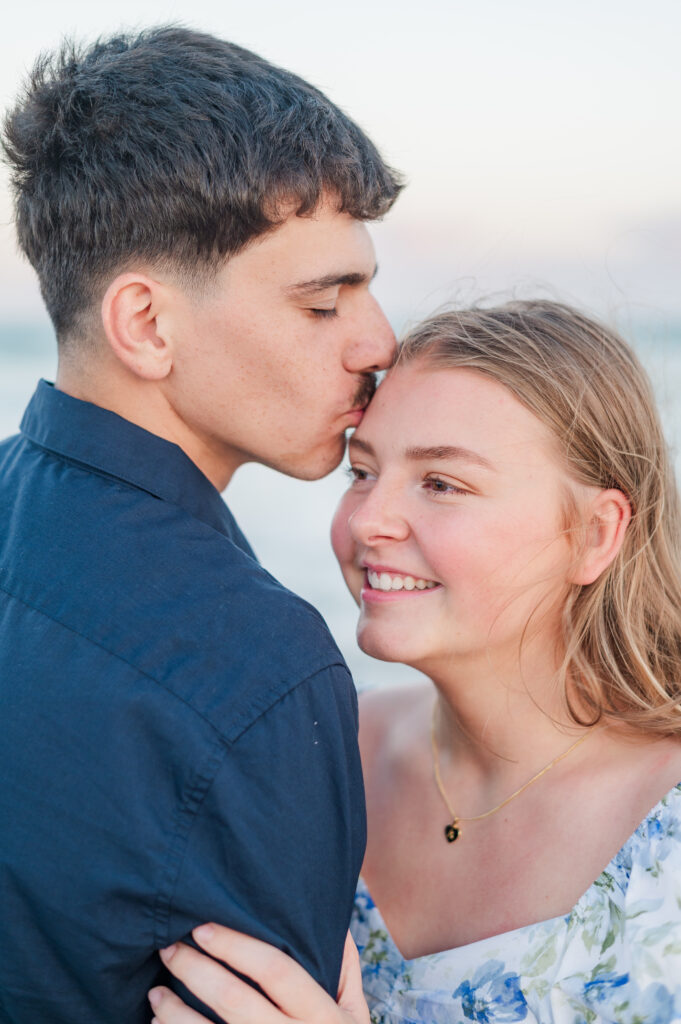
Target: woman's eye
<point>322,313</point>
<point>356,474</point>
<point>438,486</point>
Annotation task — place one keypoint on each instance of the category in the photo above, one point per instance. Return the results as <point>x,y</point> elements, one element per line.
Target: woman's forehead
<point>419,405</point>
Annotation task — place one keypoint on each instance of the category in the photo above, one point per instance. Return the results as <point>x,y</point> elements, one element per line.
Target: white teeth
<point>386,581</point>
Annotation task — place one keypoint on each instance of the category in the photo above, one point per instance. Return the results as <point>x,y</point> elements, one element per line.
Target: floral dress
<point>615,957</point>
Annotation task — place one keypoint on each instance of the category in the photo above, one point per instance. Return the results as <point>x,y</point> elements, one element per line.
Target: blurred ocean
<point>287,521</point>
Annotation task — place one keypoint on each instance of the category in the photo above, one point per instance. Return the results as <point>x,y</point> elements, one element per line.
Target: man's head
<point>150,173</point>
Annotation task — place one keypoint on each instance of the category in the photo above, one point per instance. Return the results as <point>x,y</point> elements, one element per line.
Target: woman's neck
<point>501,717</point>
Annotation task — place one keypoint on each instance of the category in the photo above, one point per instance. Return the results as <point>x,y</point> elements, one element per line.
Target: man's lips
<point>363,396</point>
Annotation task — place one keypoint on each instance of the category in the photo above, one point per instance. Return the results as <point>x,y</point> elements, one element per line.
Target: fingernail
<point>168,953</point>
<point>154,996</point>
<point>204,933</point>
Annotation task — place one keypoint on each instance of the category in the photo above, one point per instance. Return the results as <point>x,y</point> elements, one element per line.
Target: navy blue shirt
<point>178,732</point>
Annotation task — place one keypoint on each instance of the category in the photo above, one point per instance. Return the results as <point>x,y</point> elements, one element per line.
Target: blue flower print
<point>657,837</point>
<point>600,989</point>
<point>657,1005</point>
<point>492,995</point>
<point>615,958</point>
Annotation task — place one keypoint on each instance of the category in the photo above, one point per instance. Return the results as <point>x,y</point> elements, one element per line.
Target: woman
<point>512,531</point>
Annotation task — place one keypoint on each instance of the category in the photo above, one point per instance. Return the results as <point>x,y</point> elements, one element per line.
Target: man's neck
<point>145,404</point>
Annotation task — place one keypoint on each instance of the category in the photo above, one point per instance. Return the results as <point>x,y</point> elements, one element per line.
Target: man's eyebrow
<point>434,452</point>
<point>321,284</point>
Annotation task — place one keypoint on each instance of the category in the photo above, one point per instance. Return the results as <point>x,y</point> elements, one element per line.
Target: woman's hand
<point>296,995</point>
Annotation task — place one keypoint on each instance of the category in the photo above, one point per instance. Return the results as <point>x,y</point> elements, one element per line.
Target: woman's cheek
<point>344,547</point>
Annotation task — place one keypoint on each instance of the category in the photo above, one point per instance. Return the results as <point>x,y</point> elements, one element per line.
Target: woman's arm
<point>294,995</point>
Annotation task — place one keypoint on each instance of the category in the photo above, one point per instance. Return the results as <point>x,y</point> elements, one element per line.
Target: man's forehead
<point>305,255</point>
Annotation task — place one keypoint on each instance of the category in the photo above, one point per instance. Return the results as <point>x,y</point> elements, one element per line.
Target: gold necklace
<point>453,830</point>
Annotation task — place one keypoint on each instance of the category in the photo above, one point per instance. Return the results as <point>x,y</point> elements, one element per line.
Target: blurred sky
<point>540,139</point>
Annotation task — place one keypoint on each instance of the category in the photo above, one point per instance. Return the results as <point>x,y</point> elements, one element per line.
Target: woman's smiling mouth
<point>383,582</point>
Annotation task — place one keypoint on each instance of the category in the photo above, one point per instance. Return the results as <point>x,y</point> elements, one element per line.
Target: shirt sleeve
<point>278,841</point>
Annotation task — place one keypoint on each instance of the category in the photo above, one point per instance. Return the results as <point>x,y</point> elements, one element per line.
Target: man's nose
<point>375,345</point>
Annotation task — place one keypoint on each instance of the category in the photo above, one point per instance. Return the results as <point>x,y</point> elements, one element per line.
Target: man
<point>178,737</point>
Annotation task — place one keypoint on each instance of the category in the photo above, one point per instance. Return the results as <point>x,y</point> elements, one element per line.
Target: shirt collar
<point>107,443</point>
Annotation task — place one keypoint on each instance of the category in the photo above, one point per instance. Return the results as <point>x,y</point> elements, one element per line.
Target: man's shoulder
<point>9,448</point>
<point>158,588</point>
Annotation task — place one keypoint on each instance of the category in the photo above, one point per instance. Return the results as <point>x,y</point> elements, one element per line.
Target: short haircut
<point>175,148</point>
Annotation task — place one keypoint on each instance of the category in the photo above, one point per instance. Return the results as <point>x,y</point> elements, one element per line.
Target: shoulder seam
<point>294,686</point>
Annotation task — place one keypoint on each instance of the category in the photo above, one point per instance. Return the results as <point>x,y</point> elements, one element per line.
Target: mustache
<point>366,390</point>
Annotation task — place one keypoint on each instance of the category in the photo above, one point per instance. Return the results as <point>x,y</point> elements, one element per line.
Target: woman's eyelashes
<point>437,485</point>
<point>356,474</point>
<point>431,483</point>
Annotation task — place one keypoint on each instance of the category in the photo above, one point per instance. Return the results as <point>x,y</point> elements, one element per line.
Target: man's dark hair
<point>171,146</point>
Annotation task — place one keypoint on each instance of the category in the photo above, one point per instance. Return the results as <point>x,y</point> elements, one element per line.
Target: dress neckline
<point>560,918</point>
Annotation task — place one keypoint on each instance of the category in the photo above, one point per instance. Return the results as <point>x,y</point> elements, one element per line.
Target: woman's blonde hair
<point>622,633</point>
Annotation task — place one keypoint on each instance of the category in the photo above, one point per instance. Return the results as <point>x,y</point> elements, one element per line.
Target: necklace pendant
<point>452,832</point>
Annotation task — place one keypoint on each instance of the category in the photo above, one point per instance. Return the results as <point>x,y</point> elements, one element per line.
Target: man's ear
<point>129,316</point>
<point>607,517</point>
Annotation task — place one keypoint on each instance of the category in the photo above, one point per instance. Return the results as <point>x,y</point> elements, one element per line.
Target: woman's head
<point>609,587</point>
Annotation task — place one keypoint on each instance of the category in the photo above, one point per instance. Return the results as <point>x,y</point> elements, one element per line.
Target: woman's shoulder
<point>384,715</point>
<point>383,709</point>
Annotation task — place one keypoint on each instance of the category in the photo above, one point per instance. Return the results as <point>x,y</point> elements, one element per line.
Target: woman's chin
<point>385,647</point>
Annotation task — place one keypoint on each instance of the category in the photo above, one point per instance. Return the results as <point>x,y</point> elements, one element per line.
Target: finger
<point>285,981</point>
<point>231,998</point>
<point>169,1009</point>
<point>350,993</point>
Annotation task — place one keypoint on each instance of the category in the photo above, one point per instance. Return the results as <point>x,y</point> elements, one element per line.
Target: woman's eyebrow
<point>363,446</point>
<point>443,452</point>
<point>449,451</point>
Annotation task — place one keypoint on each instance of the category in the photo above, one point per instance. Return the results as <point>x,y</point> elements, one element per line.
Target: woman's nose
<point>379,517</point>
